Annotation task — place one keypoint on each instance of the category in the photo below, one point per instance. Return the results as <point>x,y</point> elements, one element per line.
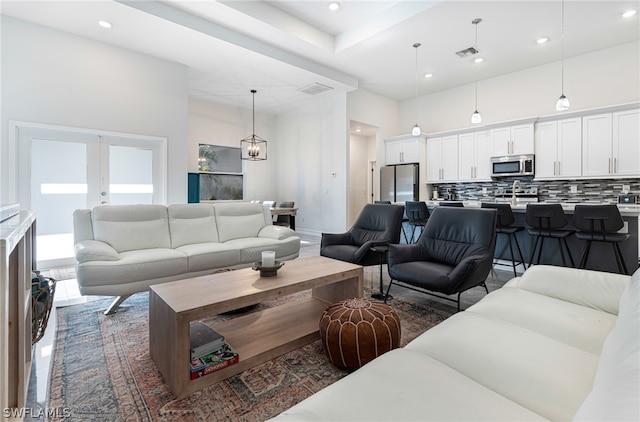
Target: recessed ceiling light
<point>428,75</point>
<point>542,40</point>
<point>629,13</point>
<point>334,5</point>
<point>105,24</point>
<point>478,60</point>
<point>358,130</point>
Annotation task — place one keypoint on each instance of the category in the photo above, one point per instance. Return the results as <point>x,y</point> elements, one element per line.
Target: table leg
<point>381,295</point>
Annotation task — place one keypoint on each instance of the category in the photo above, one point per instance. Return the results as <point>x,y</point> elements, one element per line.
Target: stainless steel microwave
<point>513,165</point>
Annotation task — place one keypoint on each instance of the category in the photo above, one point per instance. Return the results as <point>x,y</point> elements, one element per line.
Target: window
<point>220,170</point>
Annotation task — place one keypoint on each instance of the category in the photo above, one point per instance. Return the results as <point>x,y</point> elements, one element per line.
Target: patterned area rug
<point>101,369</point>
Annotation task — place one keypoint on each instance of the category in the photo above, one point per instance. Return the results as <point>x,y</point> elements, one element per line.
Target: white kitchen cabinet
<point>402,150</point>
<point>442,159</point>
<point>510,140</point>
<point>474,156</point>
<point>610,146</point>
<point>558,149</point>
<point>626,143</point>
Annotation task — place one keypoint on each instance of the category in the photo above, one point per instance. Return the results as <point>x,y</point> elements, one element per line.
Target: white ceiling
<point>278,47</point>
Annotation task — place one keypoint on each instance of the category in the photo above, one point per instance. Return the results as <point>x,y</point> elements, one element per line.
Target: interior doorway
<point>362,156</point>
<point>64,169</point>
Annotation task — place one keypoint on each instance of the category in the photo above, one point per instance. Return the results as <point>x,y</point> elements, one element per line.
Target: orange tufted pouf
<point>356,331</point>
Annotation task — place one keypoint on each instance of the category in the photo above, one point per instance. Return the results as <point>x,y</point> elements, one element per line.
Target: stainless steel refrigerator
<point>399,183</point>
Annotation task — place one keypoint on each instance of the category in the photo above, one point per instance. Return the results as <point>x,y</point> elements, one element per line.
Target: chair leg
<point>533,251</point>
<point>540,250</point>
<point>564,262</point>
<point>585,254</point>
<point>513,258</point>
<point>566,245</point>
<point>459,301</point>
<point>515,238</point>
<point>621,263</point>
<point>485,287</point>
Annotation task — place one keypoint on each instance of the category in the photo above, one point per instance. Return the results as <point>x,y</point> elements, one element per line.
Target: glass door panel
<point>130,175</point>
<point>56,191</point>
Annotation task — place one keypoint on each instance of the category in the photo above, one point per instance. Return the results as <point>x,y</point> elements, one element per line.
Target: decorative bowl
<point>267,271</point>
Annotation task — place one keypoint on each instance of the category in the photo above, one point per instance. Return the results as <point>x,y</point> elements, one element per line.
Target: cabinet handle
<point>609,165</point>
<point>615,166</point>
<point>559,169</point>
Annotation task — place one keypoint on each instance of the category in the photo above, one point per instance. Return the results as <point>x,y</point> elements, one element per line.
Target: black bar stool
<point>600,223</point>
<point>547,220</point>
<point>418,214</point>
<point>504,225</point>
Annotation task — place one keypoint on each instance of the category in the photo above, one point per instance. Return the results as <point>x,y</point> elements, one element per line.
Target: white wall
<point>599,79</point>
<point>312,151</point>
<point>53,77</point>
<point>219,124</point>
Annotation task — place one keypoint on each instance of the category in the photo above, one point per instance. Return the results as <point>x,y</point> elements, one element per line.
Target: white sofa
<point>555,344</point>
<point>124,249</point>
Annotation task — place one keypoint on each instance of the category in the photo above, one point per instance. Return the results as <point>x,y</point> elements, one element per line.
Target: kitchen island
<point>601,257</point>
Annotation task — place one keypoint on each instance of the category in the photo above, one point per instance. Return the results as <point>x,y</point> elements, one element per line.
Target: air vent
<point>467,52</point>
<point>315,88</point>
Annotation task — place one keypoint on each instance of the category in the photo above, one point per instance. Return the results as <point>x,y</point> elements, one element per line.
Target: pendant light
<point>563,102</point>
<point>416,129</point>
<point>253,148</point>
<point>476,117</point>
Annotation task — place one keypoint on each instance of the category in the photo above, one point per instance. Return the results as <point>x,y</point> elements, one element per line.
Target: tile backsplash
<point>600,190</point>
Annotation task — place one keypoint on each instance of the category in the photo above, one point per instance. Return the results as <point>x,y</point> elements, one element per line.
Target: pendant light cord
<point>253,108</point>
<point>562,53</point>
<point>416,45</point>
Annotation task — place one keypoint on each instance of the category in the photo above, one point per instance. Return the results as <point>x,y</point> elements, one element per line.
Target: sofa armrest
<point>594,289</point>
<point>276,232</point>
<point>94,250</point>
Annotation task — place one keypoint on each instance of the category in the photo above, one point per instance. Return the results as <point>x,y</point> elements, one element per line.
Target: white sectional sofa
<point>555,344</point>
<point>124,249</point>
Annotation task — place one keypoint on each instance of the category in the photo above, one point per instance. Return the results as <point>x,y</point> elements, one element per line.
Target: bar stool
<point>547,220</point>
<point>504,226</point>
<point>600,223</point>
<point>418,214</point>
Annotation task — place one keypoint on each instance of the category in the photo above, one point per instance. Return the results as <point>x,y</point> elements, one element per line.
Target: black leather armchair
<point>377,224</point>
<point>454,254</point>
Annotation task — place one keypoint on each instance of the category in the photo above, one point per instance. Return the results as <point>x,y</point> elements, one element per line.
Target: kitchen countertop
<point>625,209</point>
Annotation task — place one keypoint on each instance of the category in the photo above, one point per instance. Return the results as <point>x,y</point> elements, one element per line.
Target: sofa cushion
<point>192,223</point>
<point>251,248</point>
<point>616,386</point>
<point>207,256</point>
<point>133,266</point>
<point>237,221</point>
<point>594,289</point>
<point>578,326</point>
<point>410,386</point>
<point>132,227</point>
<point>546,376</point>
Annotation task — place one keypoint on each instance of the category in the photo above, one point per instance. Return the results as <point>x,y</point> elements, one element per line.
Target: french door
<point>62,170</point>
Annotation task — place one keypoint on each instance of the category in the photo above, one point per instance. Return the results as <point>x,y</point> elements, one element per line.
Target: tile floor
<point>67,293</point>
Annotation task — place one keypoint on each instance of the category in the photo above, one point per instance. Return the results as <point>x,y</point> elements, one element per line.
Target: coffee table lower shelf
<point>257,337</point>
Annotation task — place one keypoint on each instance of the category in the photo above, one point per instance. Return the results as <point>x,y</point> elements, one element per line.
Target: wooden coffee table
<point>258,336</point>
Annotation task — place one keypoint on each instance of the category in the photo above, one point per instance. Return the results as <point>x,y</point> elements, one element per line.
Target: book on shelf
<point>204,340</point>
<point>222,358</point>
